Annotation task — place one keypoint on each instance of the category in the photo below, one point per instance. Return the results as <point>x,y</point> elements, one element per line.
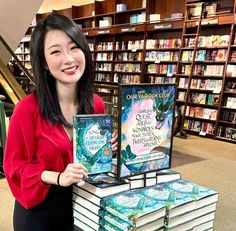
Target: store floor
<point>204,161</point>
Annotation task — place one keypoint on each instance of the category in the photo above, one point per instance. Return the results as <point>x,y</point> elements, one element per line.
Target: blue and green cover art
<point>146,122</point>
<point>92,142</point>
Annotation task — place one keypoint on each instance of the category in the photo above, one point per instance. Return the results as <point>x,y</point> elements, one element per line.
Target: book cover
<point>203,195</point>
<point>134,207</point>
<point>92,142</point>
<point>145,128</point>
<point>176,202</point>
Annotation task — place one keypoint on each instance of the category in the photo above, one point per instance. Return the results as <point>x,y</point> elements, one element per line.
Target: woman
<point>38,155</point>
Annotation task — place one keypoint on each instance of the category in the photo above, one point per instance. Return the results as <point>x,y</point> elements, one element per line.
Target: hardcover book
<point>92,142</point>
<point>134,207</point>
<point>102,185</point>
<point>203,196</point>
<point>145,128</point>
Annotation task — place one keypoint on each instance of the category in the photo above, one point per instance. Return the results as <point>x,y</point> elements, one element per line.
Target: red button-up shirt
<point>34,145</point>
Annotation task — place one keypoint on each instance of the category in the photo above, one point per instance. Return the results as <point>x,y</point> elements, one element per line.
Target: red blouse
<point>34,145</point>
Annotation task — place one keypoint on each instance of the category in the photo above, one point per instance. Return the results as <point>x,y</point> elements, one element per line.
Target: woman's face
<point>64,59</point>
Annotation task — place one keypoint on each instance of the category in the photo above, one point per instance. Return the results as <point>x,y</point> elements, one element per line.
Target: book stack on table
<point>175,205</point>
<point>138,191</point>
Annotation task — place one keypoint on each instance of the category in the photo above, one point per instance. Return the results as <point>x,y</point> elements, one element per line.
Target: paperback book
<point>145,128</point>
<point>92,142</point>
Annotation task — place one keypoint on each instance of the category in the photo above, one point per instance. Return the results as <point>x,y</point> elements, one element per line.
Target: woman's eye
<point>55,52</point>
<point>74,47</point>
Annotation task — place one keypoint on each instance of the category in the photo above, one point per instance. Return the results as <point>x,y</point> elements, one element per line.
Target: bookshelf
<point>166,41</point>
<point>205,55</point>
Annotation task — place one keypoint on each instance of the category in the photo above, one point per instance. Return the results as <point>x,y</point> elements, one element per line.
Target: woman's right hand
<point>73,173</point>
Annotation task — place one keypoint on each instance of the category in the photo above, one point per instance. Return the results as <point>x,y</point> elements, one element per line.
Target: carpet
<point>180,158</point>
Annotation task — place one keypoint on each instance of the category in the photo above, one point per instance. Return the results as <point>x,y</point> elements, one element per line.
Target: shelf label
<point>128,29</point>
<point>163,26</point>
<point>202,133</point>
<point>133,50</point>
<point>216,91</point>
<point>157,60</point>
<point>85,33</point>
<point>103,31</point>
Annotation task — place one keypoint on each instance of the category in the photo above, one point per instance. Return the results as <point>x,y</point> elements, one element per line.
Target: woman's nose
<point>68,57</point>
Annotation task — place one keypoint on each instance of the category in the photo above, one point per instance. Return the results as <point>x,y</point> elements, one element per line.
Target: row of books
<point>173,205</point>
<point>130,79</point>
<point>129,45</point>
<point>227,132</point>
<point>200,112</point>
<point>211,55</point>
<point>160,79</point>
<point>187,55</point>
<point>207,41</point>
<point>166,69</point>
<point>101,46</point>
<point>185,69</point>
<point>202,98</point>
<point>163,43</point>
<point>202,55</point>
<point>213,40</point>
<point>103,67</point>
<point>199,126</point>
<point>183,82</point>
<point>229,102</point>
<point>207,84</point>
<point>181,95</point>
<point>231,70</point>
<point>128,56</point>
<point>157,56</point>
<point>209,70</point>
<point>233,56</point>
<point>229,116</point>
<point>230,86</point>
<point>127,67</point>
<point>104,56</point>
<point>103,77</point>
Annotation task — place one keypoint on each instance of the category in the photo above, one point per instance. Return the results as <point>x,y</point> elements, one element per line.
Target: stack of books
<point>175,205</point>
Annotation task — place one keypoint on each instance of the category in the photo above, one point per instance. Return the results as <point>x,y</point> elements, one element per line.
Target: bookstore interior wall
<point>188,42</point>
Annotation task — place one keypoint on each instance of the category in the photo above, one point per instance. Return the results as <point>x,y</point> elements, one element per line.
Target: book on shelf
<point>102,185</point>
<point>92,145</point>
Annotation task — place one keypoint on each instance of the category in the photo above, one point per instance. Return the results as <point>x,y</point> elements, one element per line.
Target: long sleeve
<point>22,168</point>
<point>99,107</point>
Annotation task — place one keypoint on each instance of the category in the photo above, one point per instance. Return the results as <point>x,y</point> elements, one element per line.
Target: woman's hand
<point>73,173</point>
<point>114,142</point>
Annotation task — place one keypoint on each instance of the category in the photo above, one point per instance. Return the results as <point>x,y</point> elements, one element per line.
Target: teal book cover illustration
<point>194,190</point>
<point>113,222</point>
<point>167,196</point>
<point>133,207</point>
<point>146,123</point>
<point>92,142</point>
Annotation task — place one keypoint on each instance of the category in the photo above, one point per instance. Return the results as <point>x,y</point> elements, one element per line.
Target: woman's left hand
<point>114,141</point>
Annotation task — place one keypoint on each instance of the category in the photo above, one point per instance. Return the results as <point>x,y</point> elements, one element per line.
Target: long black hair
<point>45,89</point>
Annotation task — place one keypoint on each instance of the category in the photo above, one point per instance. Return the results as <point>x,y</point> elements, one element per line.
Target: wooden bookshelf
<point>136,44</point>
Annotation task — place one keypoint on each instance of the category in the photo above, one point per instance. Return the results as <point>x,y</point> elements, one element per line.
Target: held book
<point>92,145</point>
<point>102,185</point>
